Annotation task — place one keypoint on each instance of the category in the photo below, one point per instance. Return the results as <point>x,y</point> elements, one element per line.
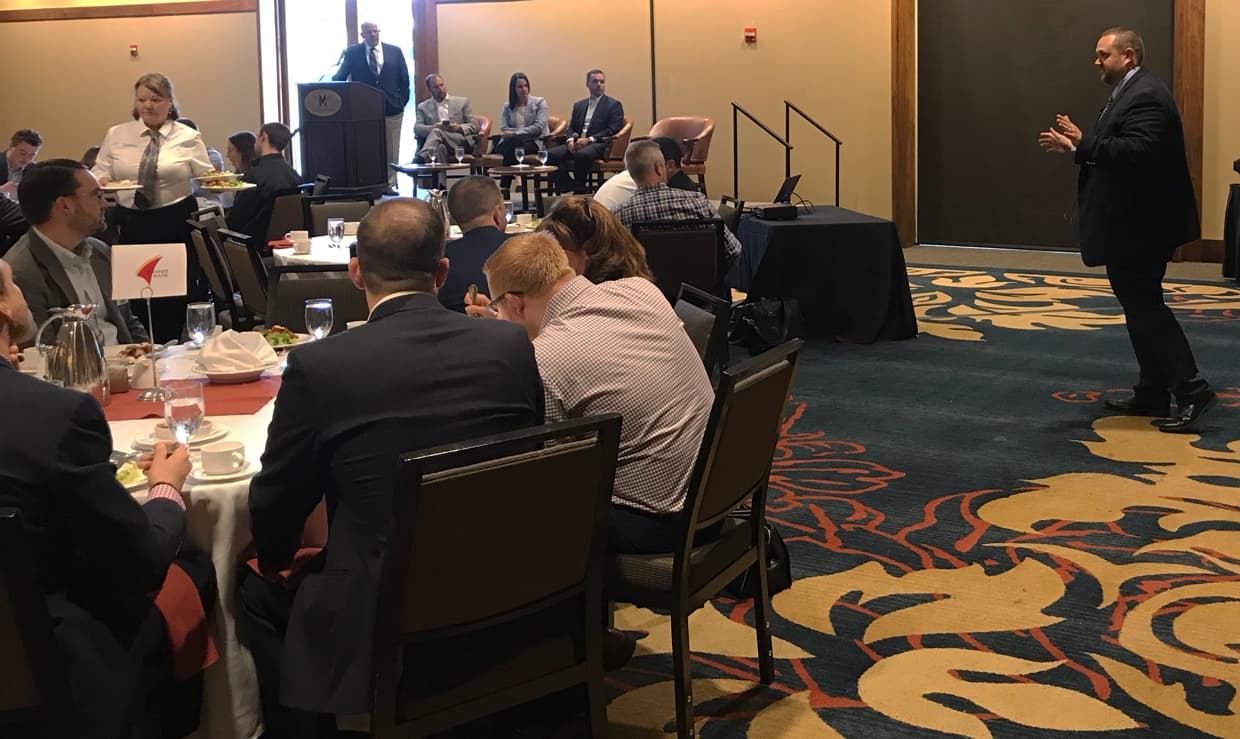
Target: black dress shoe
<point>1138,406</point>
<point>618,648</point>
<point>1187,414</point>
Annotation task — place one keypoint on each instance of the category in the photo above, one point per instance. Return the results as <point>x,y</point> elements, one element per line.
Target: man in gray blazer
<point>57,263</point>
<point>444,122</point>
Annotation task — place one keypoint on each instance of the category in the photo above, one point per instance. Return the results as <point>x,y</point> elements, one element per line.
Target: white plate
<point>229,188</point>
<point>113,351</point>
<point>210,431</point>
<point>247,469</point>
<point>235,377</point>
<point>111,187</point>
<point>218,177</point>
<point>136,485</point>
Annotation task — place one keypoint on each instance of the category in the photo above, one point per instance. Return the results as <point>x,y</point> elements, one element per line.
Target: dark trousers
<point>579,162</point>
<point>1164,358</point>
<point>262,619</point>
<point>166,225</point>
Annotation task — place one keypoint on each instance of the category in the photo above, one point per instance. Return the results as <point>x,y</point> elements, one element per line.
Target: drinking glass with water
<point>519,153</point>
<point>185,410</point>
<point>335,231</point>
<point>319,318</point>
<point>460,154</point>
<point>199,321</point>
<point>542,154</point>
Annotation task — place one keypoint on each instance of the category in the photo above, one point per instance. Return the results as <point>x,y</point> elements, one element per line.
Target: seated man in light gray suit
<point>57,262</point>
<point>444,122</point>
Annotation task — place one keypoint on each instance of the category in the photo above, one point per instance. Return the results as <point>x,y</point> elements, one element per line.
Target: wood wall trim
<point>904,119</point>
<point>129,11</point>
<point>425,45</point>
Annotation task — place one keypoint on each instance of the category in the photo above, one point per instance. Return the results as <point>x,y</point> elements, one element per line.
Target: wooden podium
<point>343,134</point>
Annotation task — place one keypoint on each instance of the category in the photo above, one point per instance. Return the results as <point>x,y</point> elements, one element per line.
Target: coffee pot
<point>75,359</point>
<point>438,200</point>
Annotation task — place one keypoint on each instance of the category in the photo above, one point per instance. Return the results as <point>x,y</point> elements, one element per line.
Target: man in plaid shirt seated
<point>656,201</point>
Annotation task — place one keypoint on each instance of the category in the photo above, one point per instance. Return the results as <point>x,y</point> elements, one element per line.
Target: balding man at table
<point>414,376</point>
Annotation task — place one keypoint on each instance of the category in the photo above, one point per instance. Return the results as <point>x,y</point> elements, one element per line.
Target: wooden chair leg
<point>682,673</point>
<point>762,621</point>
<point>597,697</point>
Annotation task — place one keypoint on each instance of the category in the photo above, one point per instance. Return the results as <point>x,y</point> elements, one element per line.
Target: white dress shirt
<point>182,155</point>
<point>76,262</point>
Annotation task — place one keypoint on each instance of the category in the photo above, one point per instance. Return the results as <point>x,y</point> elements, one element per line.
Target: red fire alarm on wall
<point>751,35</point>
<point>133,50</point>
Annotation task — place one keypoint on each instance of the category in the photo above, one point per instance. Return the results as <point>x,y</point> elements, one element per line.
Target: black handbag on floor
<point>765,323</point>
<point>778,567</point>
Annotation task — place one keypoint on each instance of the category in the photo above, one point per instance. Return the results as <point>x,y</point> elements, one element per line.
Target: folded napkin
<point>280,244</point>
<point>233,351</point>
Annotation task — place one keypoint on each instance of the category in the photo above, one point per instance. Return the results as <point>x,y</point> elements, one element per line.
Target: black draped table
<point>1231,235</point>
<point>845,269</point>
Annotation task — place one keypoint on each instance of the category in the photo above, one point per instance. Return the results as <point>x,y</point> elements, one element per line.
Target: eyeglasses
<point>493,306</point>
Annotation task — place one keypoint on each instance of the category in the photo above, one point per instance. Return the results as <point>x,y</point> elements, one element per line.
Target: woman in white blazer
<point>522,122</point>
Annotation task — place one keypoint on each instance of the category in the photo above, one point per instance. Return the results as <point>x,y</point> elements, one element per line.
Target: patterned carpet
<point>978,548</point>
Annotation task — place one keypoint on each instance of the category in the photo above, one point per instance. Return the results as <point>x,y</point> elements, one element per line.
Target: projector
<point>780,212</point>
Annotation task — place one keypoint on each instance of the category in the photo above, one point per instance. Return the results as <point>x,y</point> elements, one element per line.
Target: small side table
<point>436,173</point>
<point>524,172</point>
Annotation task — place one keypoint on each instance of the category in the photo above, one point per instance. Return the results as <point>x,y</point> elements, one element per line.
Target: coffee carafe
<point>75,359</point>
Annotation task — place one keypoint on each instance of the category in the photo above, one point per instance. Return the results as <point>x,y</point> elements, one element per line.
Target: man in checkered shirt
<point>655,200</point>
<point>614,347</point>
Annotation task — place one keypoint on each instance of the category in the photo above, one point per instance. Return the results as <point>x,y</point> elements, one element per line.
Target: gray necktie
<point>148,170</point>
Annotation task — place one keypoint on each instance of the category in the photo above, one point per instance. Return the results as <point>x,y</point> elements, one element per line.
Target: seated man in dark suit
<point>477,206</point>
<point>416,375</point>
<point>98,553</point>
<point>595,121</point>
<point>251,211</point>
<point>58,262</point>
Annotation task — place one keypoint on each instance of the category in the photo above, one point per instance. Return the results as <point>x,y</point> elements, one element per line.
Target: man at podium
<point>381,66</point>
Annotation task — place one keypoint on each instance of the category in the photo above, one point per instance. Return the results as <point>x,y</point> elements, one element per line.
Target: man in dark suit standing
<point>414,376</point>
<point>1137,204</point>
<point>272,175</point>
<point>382,66</point>
<point>595,121</point>
<point>477,206</point>
<point>97,552</point>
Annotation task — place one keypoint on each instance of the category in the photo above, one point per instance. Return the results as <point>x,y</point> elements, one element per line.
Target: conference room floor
<point>1046,261</point>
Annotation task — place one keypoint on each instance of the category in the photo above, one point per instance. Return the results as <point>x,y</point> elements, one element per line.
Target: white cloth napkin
<point>232,351</point>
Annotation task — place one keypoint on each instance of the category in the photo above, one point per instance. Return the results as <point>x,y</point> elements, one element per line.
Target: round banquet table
<point>218,523</point>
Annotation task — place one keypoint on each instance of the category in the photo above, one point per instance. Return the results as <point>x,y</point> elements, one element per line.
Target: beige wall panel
<point>45,4</point>
<point>832,58</point>
<point>85,79</point>
<point>1222,113</point>
<point>554,42</point>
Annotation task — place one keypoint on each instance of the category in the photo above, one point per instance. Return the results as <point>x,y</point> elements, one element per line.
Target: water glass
<point>434,155</point>
<point>185,410</point>
<point>460,154</point>
<point>519,153</point>
<point>542,154</point>
<point>508,212</point>
<point>335,231</point>
<point>319,318</point>
<point>199,321</point>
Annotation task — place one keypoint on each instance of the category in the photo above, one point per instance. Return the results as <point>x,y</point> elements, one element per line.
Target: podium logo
<point>148,271</point>
<point>322,103</point>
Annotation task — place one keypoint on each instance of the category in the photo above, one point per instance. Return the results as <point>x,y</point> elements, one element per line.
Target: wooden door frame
<point>1188,85</point>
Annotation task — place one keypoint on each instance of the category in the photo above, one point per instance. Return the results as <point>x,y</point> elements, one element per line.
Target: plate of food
<point>281,338</point>
<point>120,186</point>
<point>129,475</point>
<point>227,186</point>
<point>214,176</point>
<point>132,352</point>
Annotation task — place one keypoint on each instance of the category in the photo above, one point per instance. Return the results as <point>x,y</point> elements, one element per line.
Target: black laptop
<point>783,196</point>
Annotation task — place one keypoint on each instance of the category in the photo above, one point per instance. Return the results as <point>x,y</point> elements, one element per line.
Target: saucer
<point>247,470</point>
<point>209,431</point>
<point>233,377</point>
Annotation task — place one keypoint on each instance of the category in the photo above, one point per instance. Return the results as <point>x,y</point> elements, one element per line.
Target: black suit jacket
<point>415,376</point>
<point>42,278</point>
<point>606,122</point>
<point>98,553</point>
<point>251,211</point>
<point>393,78</point>
<point>466,256</point>
<point>1134,192</point>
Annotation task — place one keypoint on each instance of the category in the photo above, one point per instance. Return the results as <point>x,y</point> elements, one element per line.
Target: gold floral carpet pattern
<point>978,548</point>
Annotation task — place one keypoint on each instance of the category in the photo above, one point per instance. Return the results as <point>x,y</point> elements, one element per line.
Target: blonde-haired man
<point>614,347</point>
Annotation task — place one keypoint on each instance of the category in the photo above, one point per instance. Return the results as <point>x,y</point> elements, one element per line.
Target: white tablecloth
<point>321,252</point>
<point>218,523</point>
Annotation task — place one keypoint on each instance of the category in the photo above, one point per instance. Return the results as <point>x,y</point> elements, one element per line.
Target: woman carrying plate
<point>160,156</point>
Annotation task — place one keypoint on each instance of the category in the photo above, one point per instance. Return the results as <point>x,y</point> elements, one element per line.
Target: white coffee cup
<point>164,433</point>
<point>30,361</point>
<point>525,219</point>
<point>350,227</point>
<point>223,457</point>
<point>301,246</point>
<point>297,235</point>
<point>141,375</point>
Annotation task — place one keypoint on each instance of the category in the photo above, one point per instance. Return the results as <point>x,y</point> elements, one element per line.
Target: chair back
<point>289,287</point>
<point>34,694</point>
<point>245,269</point>
<point>557,126</point>
<point>706,321</point>
<point>348,207</point>
<point>482,142</point>
<point>620,142</point>
<point>730,210</point>
<point>734,461</point>
<point>692,132</point>
<point>287,214</point>
<point>692,252</point>
<point>520,562</point>
<point>209,263</point>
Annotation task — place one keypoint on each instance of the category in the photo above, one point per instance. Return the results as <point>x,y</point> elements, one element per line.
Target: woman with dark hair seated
<point>241,150</point>
<point>522,123</point>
